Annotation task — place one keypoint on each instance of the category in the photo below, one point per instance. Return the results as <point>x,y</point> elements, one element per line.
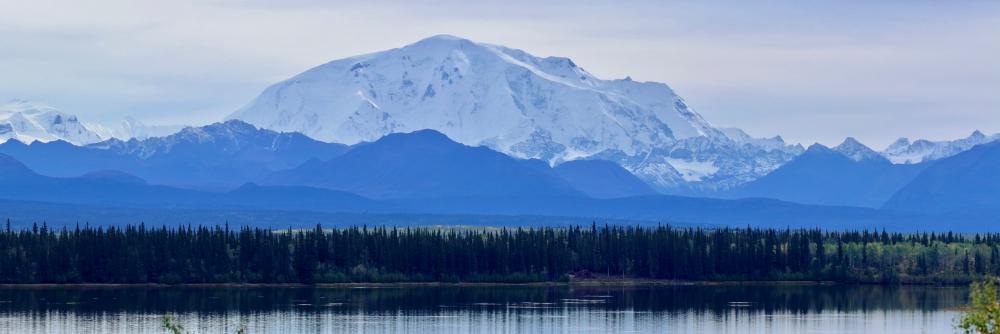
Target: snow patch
<point>693,171</point>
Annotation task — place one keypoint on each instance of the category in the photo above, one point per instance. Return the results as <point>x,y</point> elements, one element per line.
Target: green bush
<point>983,314</point>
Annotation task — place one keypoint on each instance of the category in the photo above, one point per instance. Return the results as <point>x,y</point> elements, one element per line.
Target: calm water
<point>685,309</point>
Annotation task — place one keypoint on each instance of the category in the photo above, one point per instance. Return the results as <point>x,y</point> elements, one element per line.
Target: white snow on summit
<point>476,93</point>
<point>526,106</point>
<point>904,152</point>
<point>857,151</point>
<point>27,122</point>
<point>738,135</point>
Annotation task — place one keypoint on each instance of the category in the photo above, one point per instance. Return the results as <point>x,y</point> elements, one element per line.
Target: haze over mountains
<point>130,128</point>
<point>451,126</point>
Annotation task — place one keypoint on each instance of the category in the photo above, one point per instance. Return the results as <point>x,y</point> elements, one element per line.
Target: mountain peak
<point>425,137</point>
<point>424,163</point>
<point>426,134</point>
<point>857,151</point>
<point>439,43</point>
<point>851,142</point>
<point>228,129</point>
<point>234,125</point>
<point>442,38</point>
<point>817,147</point>
<point>901,142</point>
<point>505,98</point>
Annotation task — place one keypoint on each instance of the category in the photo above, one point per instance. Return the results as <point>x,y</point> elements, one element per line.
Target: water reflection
<point>676,309</point>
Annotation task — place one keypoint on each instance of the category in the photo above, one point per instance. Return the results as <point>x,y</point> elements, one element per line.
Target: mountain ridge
<point>902,151</point>
<point>219,155</point>
<point>850,174</point>
<point>423,163</point>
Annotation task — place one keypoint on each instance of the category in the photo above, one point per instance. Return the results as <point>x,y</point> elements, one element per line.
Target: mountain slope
<point>28,122</point>
<point>849,174</point>
<point>21,183</point>
<point>441,82</point>
<point>218,155</point>
<point>515,103</point>
<point>856,151</point>
<point>12,170</point>
<point>424,164</point>
<point>602,179</point>
<point>964,183</point>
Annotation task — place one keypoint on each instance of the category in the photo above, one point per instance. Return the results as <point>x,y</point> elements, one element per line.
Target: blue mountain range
<point>234,167</point>
<point>424,164</point>
<point>967,183</point>
<point>826,176</point>
<point>116,193</point>
<point>220,155</point>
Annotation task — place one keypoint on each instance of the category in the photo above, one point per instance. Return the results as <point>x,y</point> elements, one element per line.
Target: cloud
<point>815,71</point>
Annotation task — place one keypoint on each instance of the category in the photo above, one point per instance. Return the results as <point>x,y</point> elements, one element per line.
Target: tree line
<point>186,254</point>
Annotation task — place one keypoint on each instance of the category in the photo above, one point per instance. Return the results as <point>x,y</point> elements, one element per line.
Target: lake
<point>485,309</point>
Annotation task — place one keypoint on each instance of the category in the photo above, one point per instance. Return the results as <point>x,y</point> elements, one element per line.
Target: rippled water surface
<point>675,309</point>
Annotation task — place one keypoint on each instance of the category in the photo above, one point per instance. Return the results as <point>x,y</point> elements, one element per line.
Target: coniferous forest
<point>140,254</point>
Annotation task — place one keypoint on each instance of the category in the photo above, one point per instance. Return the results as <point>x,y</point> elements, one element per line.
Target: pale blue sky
<point>810,71</point>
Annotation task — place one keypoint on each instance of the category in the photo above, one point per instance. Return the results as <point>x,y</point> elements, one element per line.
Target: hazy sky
<point>809,71</point>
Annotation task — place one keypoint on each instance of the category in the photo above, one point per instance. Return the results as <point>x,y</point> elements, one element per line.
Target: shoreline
<point>571,284</point>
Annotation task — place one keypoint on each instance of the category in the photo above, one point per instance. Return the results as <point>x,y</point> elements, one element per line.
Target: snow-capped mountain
<point>132,128</point>
<point>738,135</point>
<point>857,151</point>
<point>522,105</point>
<point>28,122</point>
<point>904,152</point>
